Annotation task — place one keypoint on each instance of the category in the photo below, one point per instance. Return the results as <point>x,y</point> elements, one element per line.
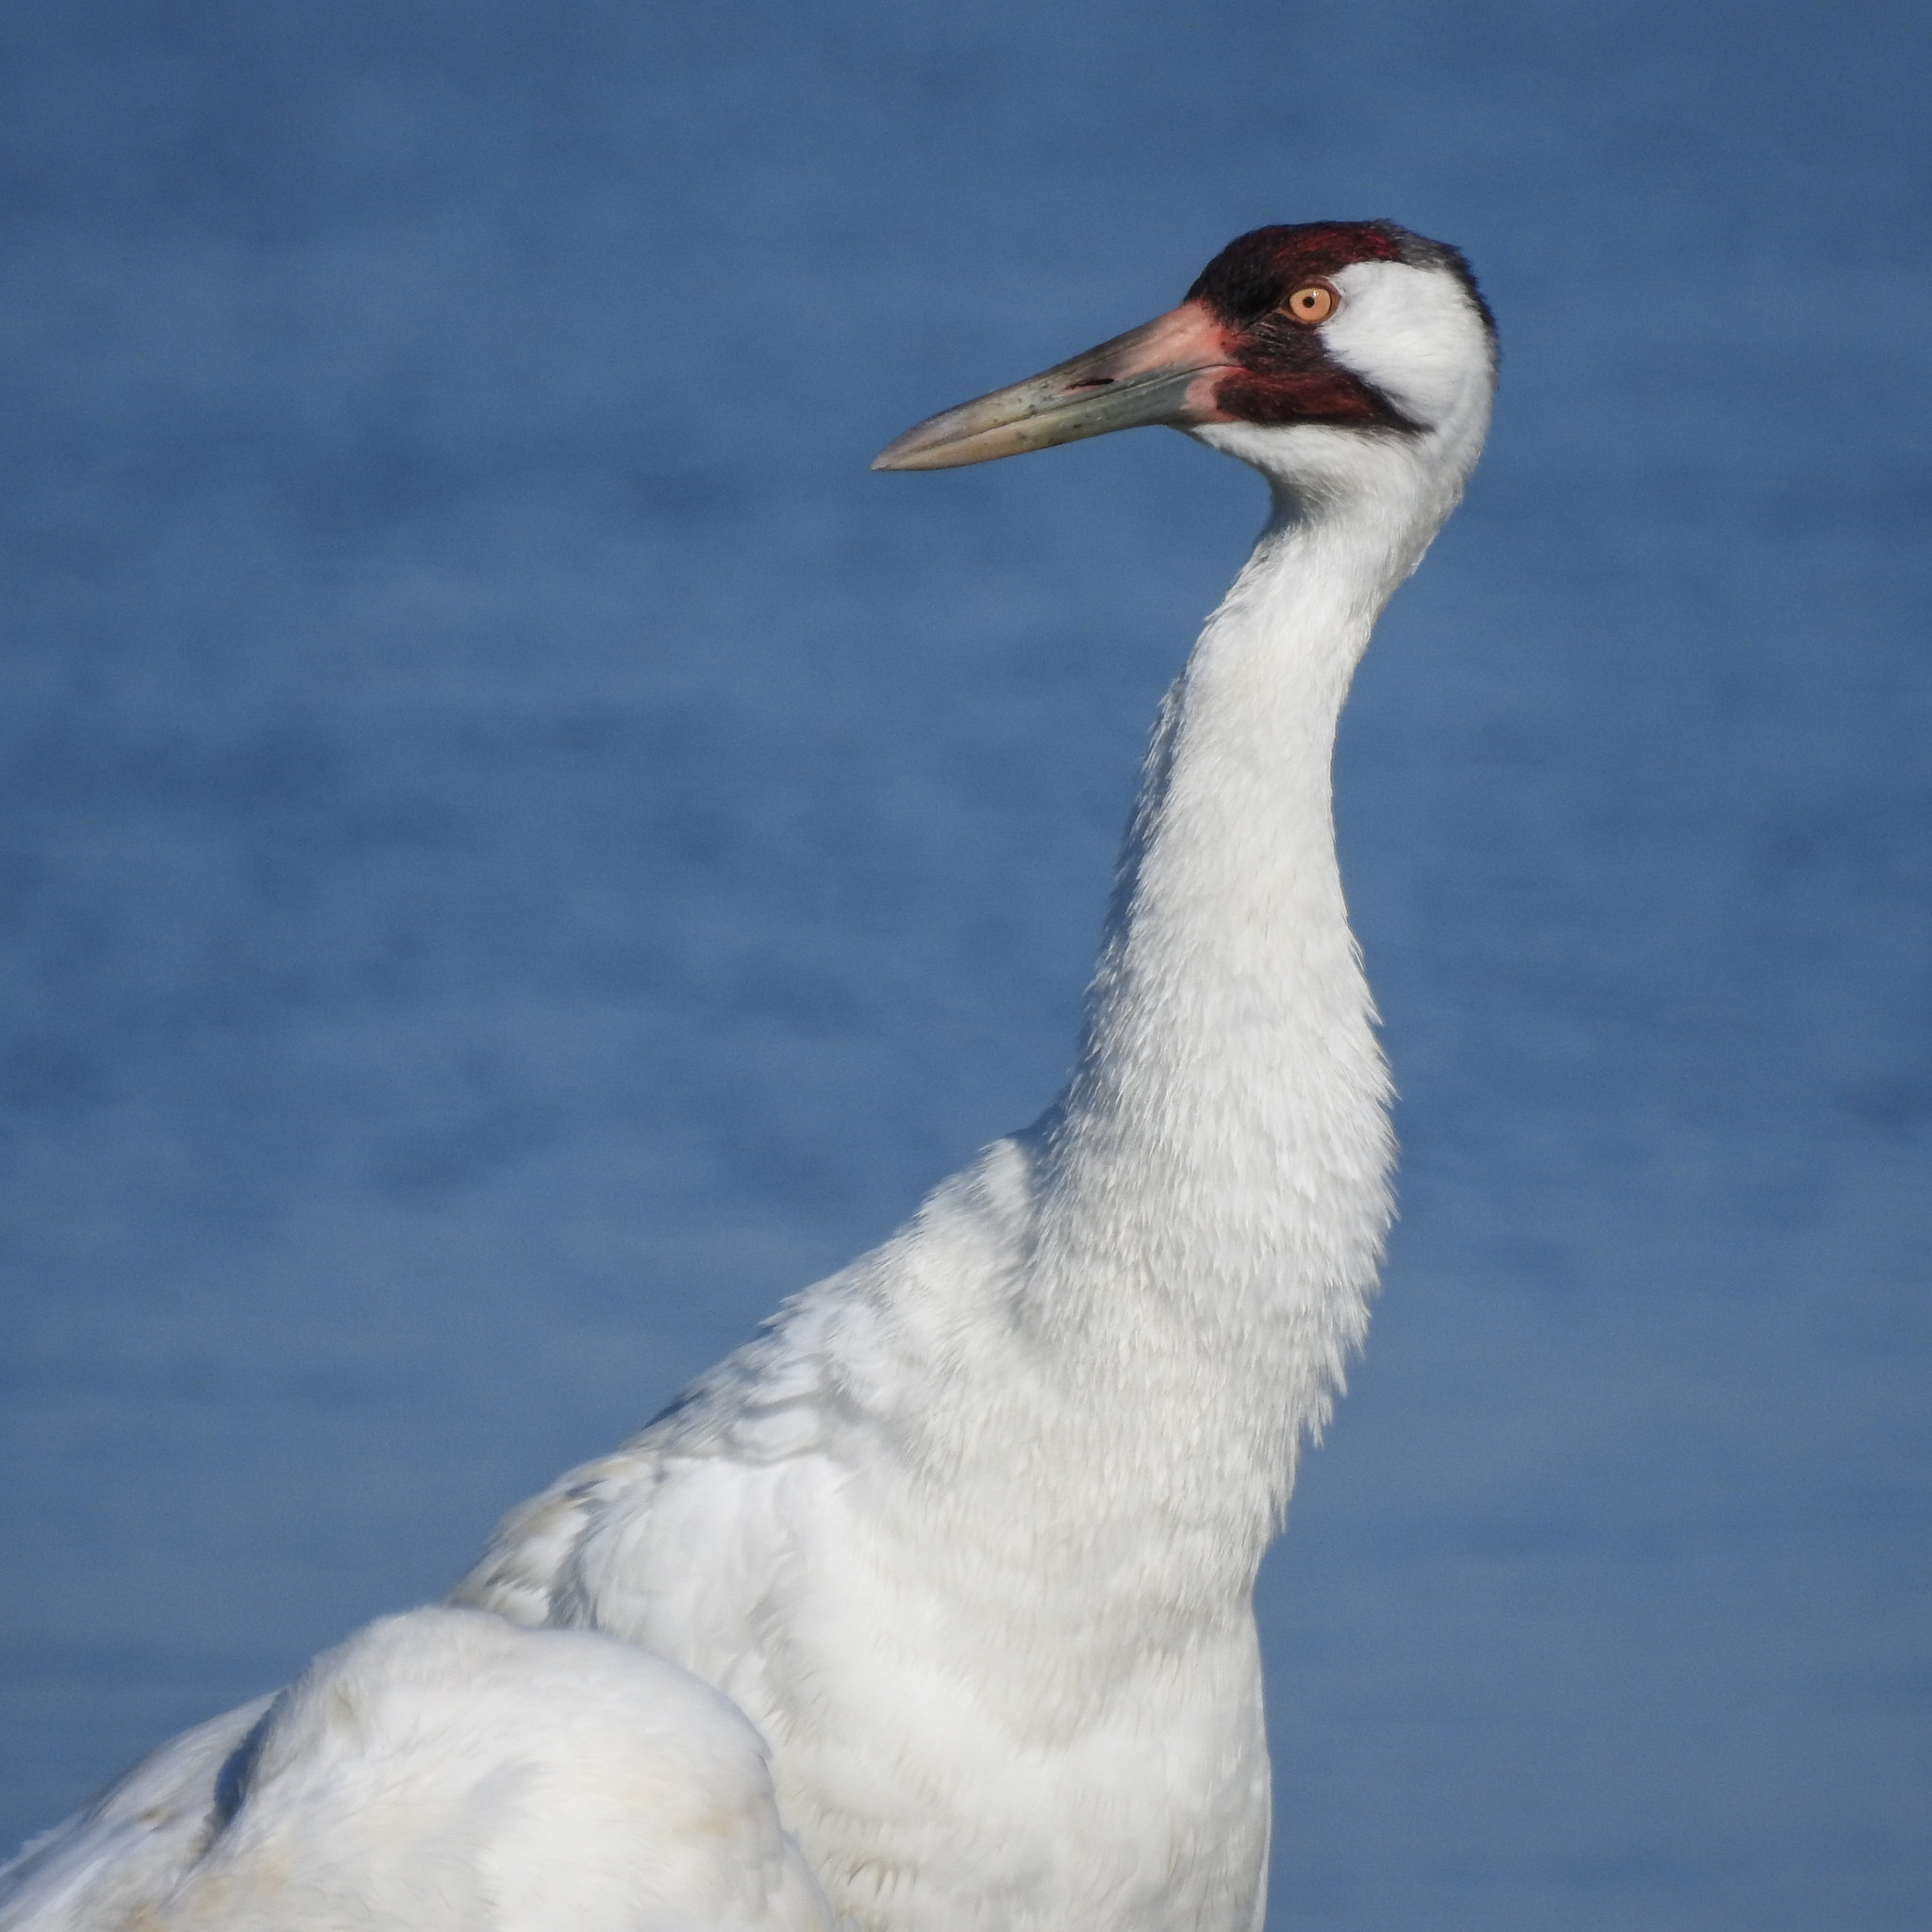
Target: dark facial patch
<point>1283,374</point>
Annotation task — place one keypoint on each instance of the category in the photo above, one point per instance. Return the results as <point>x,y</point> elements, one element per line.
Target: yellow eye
<point>1312,303</point>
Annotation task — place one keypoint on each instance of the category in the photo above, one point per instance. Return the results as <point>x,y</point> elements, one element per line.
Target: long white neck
<point>1112,1332</point>
<point>1193,1231</point>
<point>1213,1186</point>
<point>1226,1105</point>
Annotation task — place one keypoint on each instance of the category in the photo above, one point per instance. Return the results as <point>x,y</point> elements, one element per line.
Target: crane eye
<point>1312,303</point>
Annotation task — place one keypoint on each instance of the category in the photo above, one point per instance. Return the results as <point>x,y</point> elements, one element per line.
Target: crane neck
<point>1213,1187</point>
<point>1150,1294</point>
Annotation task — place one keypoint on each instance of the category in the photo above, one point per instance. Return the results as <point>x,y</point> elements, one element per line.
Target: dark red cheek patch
<point>1324,394</point>
<point>1283,374</point>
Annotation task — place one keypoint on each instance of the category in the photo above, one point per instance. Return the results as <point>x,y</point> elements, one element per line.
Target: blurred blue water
<point>518,851</point>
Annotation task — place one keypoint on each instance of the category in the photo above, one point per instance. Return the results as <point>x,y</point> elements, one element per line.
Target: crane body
<point>970,1532</point>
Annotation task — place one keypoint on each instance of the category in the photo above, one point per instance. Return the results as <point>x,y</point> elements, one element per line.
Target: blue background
<point>518,851</point>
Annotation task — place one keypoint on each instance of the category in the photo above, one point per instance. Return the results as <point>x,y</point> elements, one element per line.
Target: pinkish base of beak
<point>1163,372</point>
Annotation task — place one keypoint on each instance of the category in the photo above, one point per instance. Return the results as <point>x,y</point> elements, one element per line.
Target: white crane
<point>970,1533</point>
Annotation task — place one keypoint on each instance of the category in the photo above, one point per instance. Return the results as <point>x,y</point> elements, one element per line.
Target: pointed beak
<point>1163,372</point>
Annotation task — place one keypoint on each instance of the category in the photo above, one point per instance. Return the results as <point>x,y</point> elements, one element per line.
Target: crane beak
<point>1162,372</point>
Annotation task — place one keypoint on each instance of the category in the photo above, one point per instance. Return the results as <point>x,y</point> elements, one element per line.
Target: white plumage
<point>969,1533</point>
<point>446,1770</point>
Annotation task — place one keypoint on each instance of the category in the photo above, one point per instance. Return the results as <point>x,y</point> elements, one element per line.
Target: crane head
<point>1359,326</point>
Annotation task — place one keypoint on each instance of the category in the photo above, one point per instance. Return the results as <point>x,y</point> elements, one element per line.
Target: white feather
<point>446,1770</point>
